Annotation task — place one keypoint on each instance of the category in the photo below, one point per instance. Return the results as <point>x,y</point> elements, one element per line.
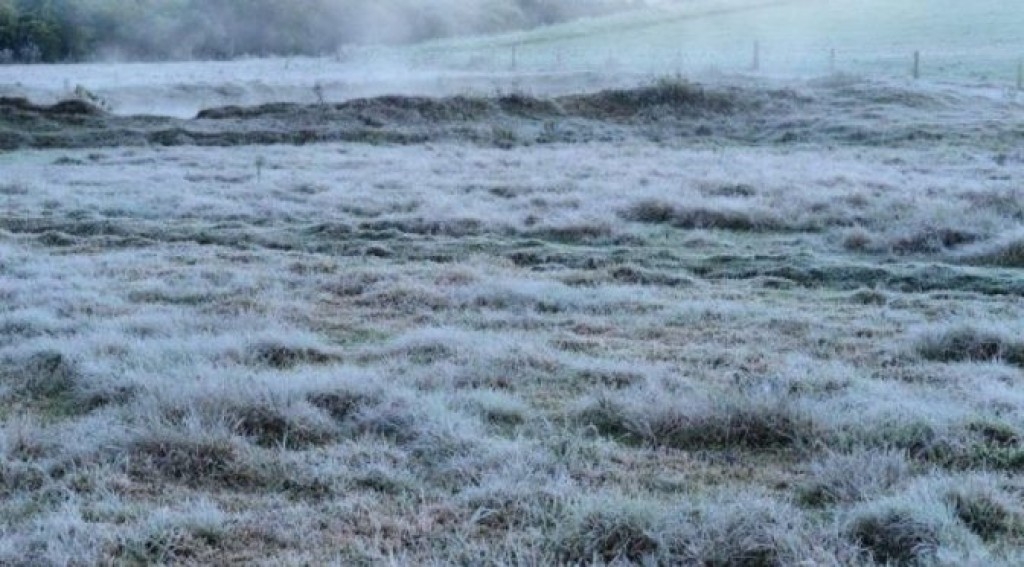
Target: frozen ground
<point>645,345</point>
<point>766,321</point>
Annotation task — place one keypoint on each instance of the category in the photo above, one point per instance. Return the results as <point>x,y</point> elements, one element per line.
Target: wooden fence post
<point>917,65</point>
<point>832,60</point>
<point>756,66</point>
<point>1020,75</point>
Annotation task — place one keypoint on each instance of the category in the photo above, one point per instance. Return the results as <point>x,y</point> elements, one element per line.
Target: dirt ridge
<point>667,110</point>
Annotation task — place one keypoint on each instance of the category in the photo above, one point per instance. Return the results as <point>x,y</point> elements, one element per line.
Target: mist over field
<point>59,30</point>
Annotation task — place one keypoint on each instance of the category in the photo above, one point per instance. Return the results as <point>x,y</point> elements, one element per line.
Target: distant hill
<point>979,40</point>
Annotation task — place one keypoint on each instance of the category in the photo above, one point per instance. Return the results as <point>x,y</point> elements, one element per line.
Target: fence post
<point>1020,75</point>
<point>832,60</point>
<point>917,65</point>
<point>756,66</point>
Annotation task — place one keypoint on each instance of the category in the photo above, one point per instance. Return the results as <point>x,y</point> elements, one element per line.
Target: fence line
<point>832,61</point>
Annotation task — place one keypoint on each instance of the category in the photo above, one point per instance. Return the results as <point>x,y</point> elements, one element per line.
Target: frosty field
<point>538,318</point>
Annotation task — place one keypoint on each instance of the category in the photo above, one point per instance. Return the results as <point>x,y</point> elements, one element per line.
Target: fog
<point>222,29</point>
<point>703,40</point>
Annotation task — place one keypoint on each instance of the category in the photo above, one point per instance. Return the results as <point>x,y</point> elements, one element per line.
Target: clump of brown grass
<point>964,342</point>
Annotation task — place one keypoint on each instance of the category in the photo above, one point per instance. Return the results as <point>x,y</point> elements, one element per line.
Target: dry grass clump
<point>859,239</point>
<point>868,296</point>
<point>499,504</point>
<point>618,531</point>
<point>575,233</point>
<point>448,358</point>
<point>495,407</point>
<point>194,535</point>
<point>669,95</point>
<point>1006,252</point>
<point>404,298</point>
<point>397,420</point>
<point>987,509</point>
<point>917,526</point>
<point>200,459</point>
<point>298,426</point>
<point>217,460</point>
<point>630,274</point>
<point>956,440</point>
<point>965,342</point>
<point>453,227</point>
<point>751,531</point>
<point>283,355</point>
<point>54,383</point>
<point>18,477</point>
<point>47,374</point>
<point>728,190</point>
<point>894,535</point>
<point>59,536</point>
<point>340,403</point>
<point>273,418</point>
<point>930,240</point>
<point>11,189</point>
<point>703,531</point>
<point>920,240</point>
<point>857,476</point>
<point>745,419</point>
<point>745,218</point>
<point>653,211</point>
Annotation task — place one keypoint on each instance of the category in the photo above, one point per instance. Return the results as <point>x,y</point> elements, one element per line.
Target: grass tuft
<point>894,536</point>
<point>54,384</point>
<point>193,460</point>
<point>741,420</point>
<point>852,477</point>
<point>43,375</point>
<point>1006,252</point>
<point>987,510</point>
<point>968,343</point>
<point>618,533</point>
<point>722,217</point>
<point>172,537</point>
<point>754,531</point>
<point>281,356</point>
<point>289,428</point>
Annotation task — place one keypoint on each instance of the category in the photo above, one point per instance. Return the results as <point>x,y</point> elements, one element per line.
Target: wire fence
<point>980,67</point>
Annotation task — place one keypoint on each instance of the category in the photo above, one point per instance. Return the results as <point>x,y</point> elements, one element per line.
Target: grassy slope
<point>452,353</point>
<point>975,40</point>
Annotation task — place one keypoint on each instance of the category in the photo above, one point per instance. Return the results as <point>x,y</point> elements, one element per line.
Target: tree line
<point>78,30</point>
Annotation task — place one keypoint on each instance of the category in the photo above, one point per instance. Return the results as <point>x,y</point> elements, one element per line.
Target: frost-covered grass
<point>302,344</point>
<point>617,351</point>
